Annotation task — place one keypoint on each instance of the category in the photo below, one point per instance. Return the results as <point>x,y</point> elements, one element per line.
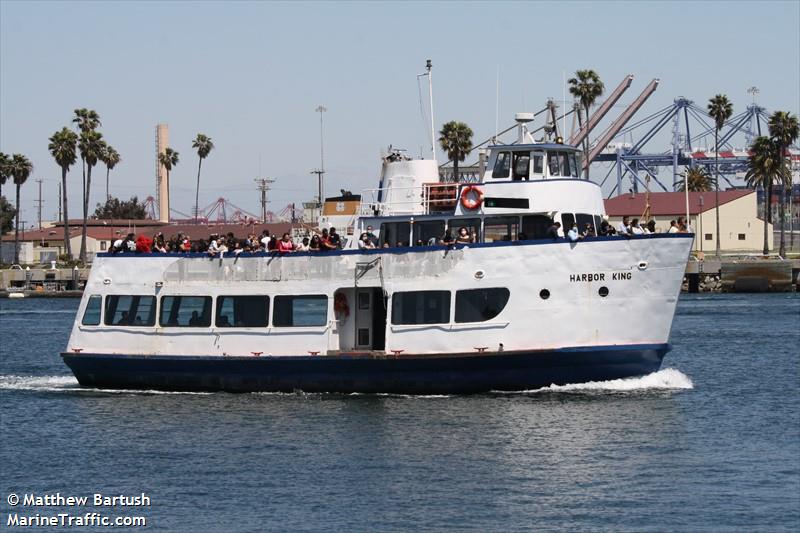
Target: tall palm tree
<point>20,169</point>
<point>203,145</point>
<point>764,167</point>
<point>720,109</point>
<point>91,146</point>
<point>698,178</point>
<point>587,87</point>
<point>168,159</point>
<point>456,140</point>
<point>783,130</point>
<point>110,158</point>
<point>63,148</point>
<point>4,173</point>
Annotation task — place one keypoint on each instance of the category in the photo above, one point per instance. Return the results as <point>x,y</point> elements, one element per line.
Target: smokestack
<point>162,183</point>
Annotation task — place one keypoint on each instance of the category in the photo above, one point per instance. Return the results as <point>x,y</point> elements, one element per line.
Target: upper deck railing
<point>429,198</point>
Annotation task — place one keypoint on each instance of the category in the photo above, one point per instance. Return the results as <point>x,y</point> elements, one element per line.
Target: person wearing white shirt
<point>623,228</point>
<point>573,234</point>
<point>636,229</point>
<point>673,227</point>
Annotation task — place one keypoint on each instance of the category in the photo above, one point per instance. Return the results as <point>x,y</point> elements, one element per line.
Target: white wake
<point>664,379</point>
<point>68,384</point>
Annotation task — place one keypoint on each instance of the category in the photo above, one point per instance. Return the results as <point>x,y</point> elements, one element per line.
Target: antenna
<point>39,204</point>
<point>321,170</point>
<point>428,67</point>
<point>263,186</point>
<point>754,92</point>
<point>497,106</point>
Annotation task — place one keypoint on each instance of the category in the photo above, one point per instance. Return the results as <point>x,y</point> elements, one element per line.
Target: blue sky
<point>250,74</point>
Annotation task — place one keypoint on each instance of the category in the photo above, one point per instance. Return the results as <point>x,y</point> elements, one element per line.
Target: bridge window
<point>242,311</point>
<point>500,229</point>
<point>428,232</point>
<point>91,316</point>
<point>421,307</point>
<point>395,233</point>
<point>299,311</point>
<point>185,311</point>
<point>538,164</point>
<point>535,226</point>
<point>522,165</point>
<point>573,165</point>
<point>480,305</point>
<point>552,164</point>
<point>130,310</point>
<point>502,165</point>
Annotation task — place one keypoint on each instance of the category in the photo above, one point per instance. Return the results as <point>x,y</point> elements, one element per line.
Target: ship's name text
<point>598,276</point>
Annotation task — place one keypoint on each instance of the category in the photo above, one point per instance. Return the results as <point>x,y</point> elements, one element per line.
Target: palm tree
<point>19,169</point>
<point>456,140</point>
<point>110,158</point>
<point>168,159</point>
<point>764,167</point>
<point>587,88</point>
<point>91,146</point>
<point>720,109</point>
<point>4,173</point>
<point>783,130</point>
<point>203,145</point>
<point>698,178</point>
<point>63,146</point>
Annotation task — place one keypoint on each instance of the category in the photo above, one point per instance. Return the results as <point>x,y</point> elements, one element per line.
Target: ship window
<point>91,317</point>
<point>242,311</point>
<point>573,165</point>
<point>567,220</point>
<point>597,223</point>
<point>479,305</point>
<point>473,226</point>
<point>428,233</point>
<point>535,226</point>
<point>552,163</point>
<point>522,165</point>
<point>500,229</point>
<point>538,164</point>
<point>395,233</point>
<point>185,311</point>
<point>421,307</point>
<point>296,311</point>
<point>563,162</point>
<point>502,165</point>
<point>130,310</point>
<point>582,219</point>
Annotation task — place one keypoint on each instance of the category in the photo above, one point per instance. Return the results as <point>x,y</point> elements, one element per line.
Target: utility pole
<point>39,204</point>
<point>321,170</point>
<point>263,186</point>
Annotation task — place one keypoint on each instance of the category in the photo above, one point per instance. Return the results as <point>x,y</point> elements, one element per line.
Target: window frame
<point>513,227</point>
<point>399,301</point>
<point>461,293</point>
<point>93,297</point>
<point>277,301</point>
<point>220,302</point>
<point>506,165</point>
<point>207,306</point>
<point>113,300</point>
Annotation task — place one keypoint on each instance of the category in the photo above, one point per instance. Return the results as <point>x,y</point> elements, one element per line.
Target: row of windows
<point>520,165</point>
<point>195,311</point>
<point>492,229</point>
<point>415,307</point>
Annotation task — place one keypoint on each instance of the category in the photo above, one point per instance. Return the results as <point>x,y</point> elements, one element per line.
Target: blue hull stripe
<point>442,374</point>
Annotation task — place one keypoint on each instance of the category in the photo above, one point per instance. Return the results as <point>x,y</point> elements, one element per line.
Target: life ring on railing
<point>340,304</point>
<point>471,197</point>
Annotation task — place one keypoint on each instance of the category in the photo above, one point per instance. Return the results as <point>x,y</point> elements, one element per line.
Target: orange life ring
<point>340,304</point>
<point>467,201</point>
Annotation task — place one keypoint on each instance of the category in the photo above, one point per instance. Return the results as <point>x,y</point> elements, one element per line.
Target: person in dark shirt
<point>372,237</point>
<point>335,240</point>
<point>552,231</point>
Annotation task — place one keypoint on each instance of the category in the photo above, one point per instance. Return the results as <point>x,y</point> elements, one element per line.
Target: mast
<point>428,67</point>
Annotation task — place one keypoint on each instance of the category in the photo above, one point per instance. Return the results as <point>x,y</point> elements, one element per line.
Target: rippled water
<point>710,442</point>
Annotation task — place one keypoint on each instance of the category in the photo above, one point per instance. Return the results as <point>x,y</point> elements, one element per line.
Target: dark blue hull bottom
<point>423,374</point>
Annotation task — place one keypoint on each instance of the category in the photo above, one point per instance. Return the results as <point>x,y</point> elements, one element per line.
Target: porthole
<point>544,294</point>
<point>603,291</point>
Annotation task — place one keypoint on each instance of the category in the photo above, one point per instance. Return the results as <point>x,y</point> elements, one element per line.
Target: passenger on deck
<point>365,242</point>
<point>448,238</point>
<point>673,227</point>
<point>588,231</point>
<point>335,240</point>
<point>325,241</point>
<point>573,234</point>
<point>264,240</point>
<point>124,319</point>
<point>372,237</point>
<point>463,236</point>
<point>303,246</point>
<point>650,228</point>
<point>314,244</point>
<point>552,231</point>
<point>624,227</point>
<point>285,245</point>
<point>195,320</point>
<point>636,229</point>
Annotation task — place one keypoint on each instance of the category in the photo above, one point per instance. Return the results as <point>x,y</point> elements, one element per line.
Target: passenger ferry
<point>514,310</point>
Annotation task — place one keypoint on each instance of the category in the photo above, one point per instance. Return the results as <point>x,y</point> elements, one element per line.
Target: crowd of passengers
<point>326,240</point>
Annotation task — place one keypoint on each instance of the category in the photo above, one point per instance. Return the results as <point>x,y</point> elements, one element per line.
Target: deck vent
<point>107,281</point>
<point>642,265</point>
<point>479,274</point>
